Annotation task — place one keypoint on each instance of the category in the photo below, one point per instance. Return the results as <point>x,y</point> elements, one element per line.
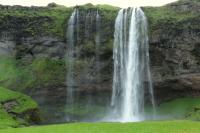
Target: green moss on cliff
<point>7,69</point>
<point>12,76</point>
<point>35,21</point>
<point>194,113</point>
<point>41,72</point>
<point>6,120</point>
<point>178,108</point>
<point>24,102</point>
<point>13,104</point>
<point>107,7</point>
<point>171,16</point>
<point>50,20</point>
<point>90,6</point>
<point>48,72</point>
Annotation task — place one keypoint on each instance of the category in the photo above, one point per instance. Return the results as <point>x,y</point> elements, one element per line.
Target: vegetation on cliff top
<point>173,15</point>
<point>50,20</point>
<point>35,20</point>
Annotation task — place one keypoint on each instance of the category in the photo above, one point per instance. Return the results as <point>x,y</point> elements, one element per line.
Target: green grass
<point>7,120</point>
<point>143,127</point>
<point>23,104</point>
<point>178,108</point>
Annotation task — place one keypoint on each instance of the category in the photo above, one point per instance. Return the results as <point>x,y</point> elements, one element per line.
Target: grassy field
<point>143,127</point>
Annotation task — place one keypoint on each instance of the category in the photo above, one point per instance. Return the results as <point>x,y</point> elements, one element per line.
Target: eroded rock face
<point>40,47</point>
<point>174,51</point>
<point>29,48</point>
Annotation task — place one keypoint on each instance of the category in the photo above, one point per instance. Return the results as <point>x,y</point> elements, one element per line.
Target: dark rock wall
<point>174,50</point>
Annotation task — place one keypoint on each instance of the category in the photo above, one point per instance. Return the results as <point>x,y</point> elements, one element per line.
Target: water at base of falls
<point>132,75</point>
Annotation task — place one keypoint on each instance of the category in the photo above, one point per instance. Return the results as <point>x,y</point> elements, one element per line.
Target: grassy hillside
<point>12,106</point>
<point>143,127</point>
<point>179,109</point>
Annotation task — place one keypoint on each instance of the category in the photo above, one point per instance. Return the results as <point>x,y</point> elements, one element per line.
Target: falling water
<point>71,55</point>
<point>97,42</point>
<point>83,28</point>
<point>77,25</point>
<point>131,65</point>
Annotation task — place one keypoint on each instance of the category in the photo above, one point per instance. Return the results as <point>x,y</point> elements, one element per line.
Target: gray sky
<point>119,3</point>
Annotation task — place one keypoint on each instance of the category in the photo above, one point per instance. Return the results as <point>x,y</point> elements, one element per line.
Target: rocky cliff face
<point>36,38</point>
<point>174,49</point>
<point>36,47</point>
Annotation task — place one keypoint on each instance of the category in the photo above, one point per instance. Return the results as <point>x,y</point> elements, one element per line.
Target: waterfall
<point>132,75</point>
<point>70,55</point>
<point>97,42</point>
<point>83,28</point>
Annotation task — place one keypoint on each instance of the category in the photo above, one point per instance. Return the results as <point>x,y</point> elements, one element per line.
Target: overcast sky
<point>119,3</point>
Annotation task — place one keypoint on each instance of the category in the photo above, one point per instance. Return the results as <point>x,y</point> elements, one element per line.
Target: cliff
<point>33,46</point>
<point>174,42</point>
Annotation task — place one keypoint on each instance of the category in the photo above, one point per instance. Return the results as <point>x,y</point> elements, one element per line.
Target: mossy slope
<point>182,108</point>
<point>12,105</point>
